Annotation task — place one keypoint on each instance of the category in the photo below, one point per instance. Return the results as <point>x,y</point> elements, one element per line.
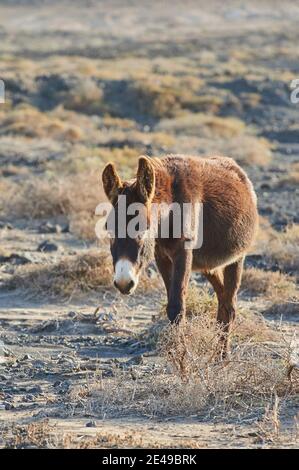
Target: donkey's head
<point>130,248</point>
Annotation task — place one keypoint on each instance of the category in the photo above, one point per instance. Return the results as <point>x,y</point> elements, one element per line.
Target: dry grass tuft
<point>27,121</point>
<point>33,435</point>
<point>291,179</point>
<point>274,286</point>
<point>164,95</point>
<point>85,97</point>
<point>249,150</point>
<point>43,434</point>
<point>51,197</point>
<point>192,380</point>
<point>283,248</point>
<point>74,196</point>
<point>198,302</point>
<point>218,135</point>
<point>69,277</point>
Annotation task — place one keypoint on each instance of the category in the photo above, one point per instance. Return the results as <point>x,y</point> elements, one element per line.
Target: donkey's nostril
<point>131,285</point>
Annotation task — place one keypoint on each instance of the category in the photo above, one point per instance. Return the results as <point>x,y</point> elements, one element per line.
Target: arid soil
<point>90,82</point>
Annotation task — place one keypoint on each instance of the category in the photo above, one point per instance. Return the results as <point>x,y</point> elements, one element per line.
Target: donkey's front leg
<point>181,270</point>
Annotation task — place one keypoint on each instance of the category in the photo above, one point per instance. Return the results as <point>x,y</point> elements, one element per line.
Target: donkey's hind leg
<point>215,277</point>
<point>227,307</point>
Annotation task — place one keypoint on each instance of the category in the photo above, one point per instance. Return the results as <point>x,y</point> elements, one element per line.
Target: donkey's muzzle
<point>125,288</point>
<point>125,279</point>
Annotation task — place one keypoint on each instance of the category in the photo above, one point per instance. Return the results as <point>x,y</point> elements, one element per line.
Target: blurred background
<point>93,81</point>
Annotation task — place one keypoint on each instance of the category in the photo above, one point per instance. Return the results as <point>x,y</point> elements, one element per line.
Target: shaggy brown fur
<point>229,224</point>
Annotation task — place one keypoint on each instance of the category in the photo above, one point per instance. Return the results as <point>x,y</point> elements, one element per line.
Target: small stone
<point>6,406</point>
<point>265,186</point>
<point>29,398</point>
<point>5,225</point>
<point>14,259</point>
<point>35,390</point>
<point>72,314</point>
<point>48,227</point>
<point>26,357</point>
<point>91,424</point>
<point>47,247</point>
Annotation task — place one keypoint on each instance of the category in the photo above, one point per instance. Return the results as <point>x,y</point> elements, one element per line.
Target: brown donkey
<point>229,222</point>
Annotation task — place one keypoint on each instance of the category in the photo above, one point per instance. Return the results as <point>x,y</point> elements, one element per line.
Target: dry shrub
<point>85,97</point>
<point>249,150</point>
<point>39,199</point>
<point>190,379</point>
<point>221,136</point>
<point>283,248</point>
<point>270,430</point>
<point>291,179</point>
<point>84,160</point>
<point>69,277</point>
<point>164,96</point>
<point>198,302</point>
<point>111,122</point>
<point>28,121</point>
<point>275,286</point>
<point>43,434</point>
<point>73,193</point>
<point>223,127</point>
<point>33,435</point>
<point>197,383</point>
<point>203,125</point>
<point>247,380</point>
<point>75,197</point>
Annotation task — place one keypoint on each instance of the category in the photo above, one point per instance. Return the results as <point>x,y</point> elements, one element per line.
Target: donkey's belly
<point>228,231</point>
<point>208,262</point>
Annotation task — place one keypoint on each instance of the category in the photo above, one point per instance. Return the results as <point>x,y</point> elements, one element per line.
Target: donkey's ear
<point>145,179</point>
<point>111,182</point>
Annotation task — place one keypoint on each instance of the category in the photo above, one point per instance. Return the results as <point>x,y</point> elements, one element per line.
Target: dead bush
<point>74,196</point>
<point>283,248</point>
<point>70,277</point>
<point>191,380</point>
<point>274,286</point>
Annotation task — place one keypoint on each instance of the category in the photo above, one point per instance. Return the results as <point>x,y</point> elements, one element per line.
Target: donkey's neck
<point>163,183</point>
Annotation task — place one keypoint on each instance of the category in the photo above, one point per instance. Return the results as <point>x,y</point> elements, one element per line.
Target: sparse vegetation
<point>291,179</point>
<point>271,285</point>
<point>75,197</point>
<point>68,278</point>
<point>198,383</point>
<point>283,248</point>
